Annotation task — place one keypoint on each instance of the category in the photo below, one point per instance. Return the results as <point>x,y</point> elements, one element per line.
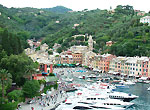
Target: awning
<point>81,71</point>
<point>58,64</point>
<point>54,74</point>
<point>64,64</point>
<point>44,73</point>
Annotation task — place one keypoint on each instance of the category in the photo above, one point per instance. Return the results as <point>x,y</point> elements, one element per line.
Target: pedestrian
<point>32,108</point>
<point>17,108</point>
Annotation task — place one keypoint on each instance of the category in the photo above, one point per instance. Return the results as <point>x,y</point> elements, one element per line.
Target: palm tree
<point>5,78</point>
<point>30,70</point>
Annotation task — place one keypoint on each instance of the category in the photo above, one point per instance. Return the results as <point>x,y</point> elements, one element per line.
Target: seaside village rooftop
<point>84,55</point>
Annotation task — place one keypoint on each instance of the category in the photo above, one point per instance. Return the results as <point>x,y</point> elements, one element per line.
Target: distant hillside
<point>121,26</point>
<point>58,9</point>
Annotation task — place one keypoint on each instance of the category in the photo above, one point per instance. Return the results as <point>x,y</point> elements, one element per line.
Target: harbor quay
<point>88,82</point>
<point>47,101</point>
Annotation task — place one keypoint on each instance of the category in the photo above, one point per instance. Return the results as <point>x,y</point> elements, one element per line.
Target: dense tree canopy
<point>19,67</point>
<point>121,26</point>
<point>5,79</point>
<point>31,88</point>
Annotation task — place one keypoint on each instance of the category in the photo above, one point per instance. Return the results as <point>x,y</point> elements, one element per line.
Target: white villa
<point>145,19</point>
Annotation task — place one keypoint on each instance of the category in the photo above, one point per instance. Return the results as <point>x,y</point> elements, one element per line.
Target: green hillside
<point>58,9</point>
<point>122,27</point>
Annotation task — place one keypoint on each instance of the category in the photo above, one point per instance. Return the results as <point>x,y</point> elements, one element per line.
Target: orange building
<point>67,59</point>
<point>105,61</point>
<point>45,68</point>
<point>77,58</point>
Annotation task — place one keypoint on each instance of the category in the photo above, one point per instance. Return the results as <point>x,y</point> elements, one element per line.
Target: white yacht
<point>107,92</point>
<point>148,88</point>
<point>80,77</point>
<point>82,106</point>
<point>105,101</point>
<point>111,107</point>
<point>128,82</point>
<point>122,96</point>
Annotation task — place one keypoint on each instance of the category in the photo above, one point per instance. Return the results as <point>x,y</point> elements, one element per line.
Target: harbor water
<point>139,89</point>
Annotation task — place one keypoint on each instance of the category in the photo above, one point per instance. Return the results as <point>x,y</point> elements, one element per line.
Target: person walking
<point>32,108</point>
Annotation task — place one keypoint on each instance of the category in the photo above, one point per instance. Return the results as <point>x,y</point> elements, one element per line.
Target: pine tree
<point>6,42</point>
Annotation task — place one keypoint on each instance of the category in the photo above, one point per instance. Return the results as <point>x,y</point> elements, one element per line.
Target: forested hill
<point>58,9</point>
<point>122,27</point>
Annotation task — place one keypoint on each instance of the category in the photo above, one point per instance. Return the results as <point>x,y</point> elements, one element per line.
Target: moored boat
<point>82,106</point>
<point>122,96</point>
<point>148,88</point>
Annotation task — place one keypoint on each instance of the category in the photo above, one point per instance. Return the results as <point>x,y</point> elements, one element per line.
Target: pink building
<point>145,64</point>
<point>47,68</point>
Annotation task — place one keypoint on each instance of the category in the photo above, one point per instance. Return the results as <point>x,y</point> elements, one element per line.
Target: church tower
<point>90,43</point>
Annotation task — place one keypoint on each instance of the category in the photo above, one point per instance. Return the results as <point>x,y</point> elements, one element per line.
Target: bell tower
<point>90,43</point>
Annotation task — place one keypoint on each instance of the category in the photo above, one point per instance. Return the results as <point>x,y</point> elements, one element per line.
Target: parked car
<point>31,102</point>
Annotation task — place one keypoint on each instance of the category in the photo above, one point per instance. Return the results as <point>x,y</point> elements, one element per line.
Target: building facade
<point>77,58</point>
<point>145,19</point>
<point>66,59</point>
<point>105,61</point>
<point>45,66</point>
<point>132,66</point>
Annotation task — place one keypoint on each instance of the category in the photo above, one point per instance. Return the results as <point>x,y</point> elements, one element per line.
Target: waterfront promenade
<point>45,102</point>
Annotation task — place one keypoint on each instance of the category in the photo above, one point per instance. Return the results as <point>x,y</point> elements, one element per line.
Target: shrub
<point>15,95</point>
<point>51,74</point>
<point>9,106</point>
